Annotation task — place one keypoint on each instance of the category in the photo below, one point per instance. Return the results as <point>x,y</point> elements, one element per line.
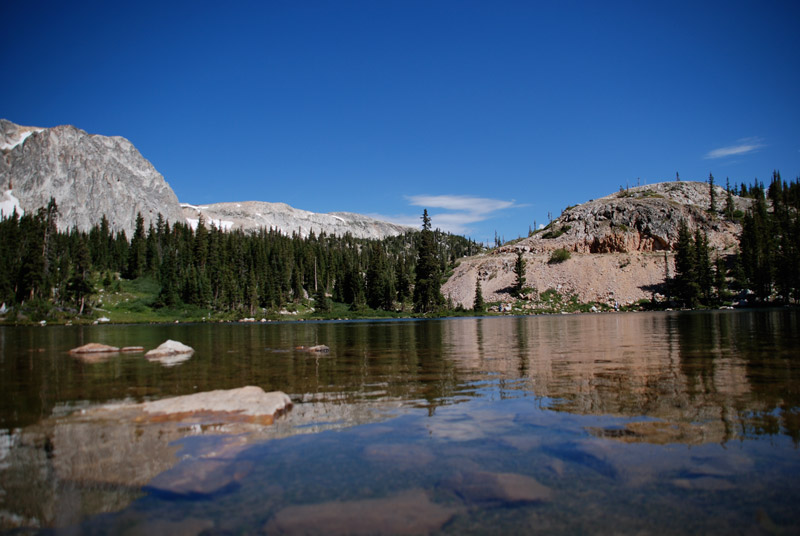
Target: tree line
<point>223,270</point>
<point>767,266</point>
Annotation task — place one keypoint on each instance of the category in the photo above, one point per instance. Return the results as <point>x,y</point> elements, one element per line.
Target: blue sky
<point>489,114</point>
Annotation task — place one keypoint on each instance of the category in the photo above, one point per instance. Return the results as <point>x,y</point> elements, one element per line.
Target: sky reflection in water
<point>655,423</point>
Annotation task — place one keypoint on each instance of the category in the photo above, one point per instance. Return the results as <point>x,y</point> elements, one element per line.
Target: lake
<point>646,423</point>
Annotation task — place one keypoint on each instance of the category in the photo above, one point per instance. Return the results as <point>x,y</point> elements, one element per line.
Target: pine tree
<point>427,288</point>
<point>79,286</point>
<point>702,265</point>
<point>519,271</point>
<point>729,205</point>
<point>712,194</point>
<point>137,257</point>
<point>721,281</point>
<point>380,287</point>
<point>322,303</point>
<point>478,304</point>
<point>687,289</point>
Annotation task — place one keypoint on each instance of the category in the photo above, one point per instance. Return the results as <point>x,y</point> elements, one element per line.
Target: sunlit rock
<point>246,404</point>
<point>169,348</point>
<point>132,349</point>
<point>94,348</point>
<point>486,487</point>
<point>409,512</point>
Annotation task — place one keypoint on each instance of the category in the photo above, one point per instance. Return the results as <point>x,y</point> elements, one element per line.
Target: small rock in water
<point>318,349</point>
<point>94,348</point>
<point>169,348</point>
<point>132,349</point>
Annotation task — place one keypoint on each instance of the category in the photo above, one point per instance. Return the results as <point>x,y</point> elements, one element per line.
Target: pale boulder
<point>247,404</point>
<point>169,348</point>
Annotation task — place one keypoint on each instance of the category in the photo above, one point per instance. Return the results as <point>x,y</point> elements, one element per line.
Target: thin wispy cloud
<point>461,211</point>
<point>743,146</point>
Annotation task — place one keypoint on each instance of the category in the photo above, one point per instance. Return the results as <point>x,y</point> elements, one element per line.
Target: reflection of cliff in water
<point>728,374</point>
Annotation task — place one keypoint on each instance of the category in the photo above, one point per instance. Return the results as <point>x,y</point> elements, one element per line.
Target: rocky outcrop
<point>254,215</point>
<point>622,246</point>
<point>643,219</point>
<point>88,175</point>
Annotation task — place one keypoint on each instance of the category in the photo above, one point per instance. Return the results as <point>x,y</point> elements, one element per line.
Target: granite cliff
<point>88,175</point>
<point>621,246</point>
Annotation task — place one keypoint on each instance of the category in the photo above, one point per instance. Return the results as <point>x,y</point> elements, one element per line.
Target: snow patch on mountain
<point>7,205</point>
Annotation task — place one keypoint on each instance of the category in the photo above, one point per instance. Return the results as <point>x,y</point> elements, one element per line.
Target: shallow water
<point>665,423</point>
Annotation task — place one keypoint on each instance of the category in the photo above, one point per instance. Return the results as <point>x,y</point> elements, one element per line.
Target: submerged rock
<point>486,487</point>
<point>409,512</point>
<point>94,348</point>
<point>200,477</point>
<point>169,348</point>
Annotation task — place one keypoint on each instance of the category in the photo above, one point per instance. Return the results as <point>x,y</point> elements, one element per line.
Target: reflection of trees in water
<point>731,369</point>
<point>747,364</point>
<point>726,373</point>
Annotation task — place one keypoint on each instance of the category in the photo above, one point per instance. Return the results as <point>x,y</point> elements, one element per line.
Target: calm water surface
<point>663,423</point>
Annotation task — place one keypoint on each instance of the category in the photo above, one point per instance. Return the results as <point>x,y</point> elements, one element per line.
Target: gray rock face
<point>254,215</point>
<point>88,175</point>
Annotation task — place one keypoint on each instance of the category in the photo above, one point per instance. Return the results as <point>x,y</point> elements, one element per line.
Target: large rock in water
<point>88,175</point>
<point>246,404</point>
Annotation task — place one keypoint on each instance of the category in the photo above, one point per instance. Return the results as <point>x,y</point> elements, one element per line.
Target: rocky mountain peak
<point>88,175</point>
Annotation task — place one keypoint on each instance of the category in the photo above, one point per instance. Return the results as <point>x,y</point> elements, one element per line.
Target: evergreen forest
<point>45,273</point>
<point>766,269</point>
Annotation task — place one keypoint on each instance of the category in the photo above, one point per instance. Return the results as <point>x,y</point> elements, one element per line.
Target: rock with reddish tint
<point>169,348</point>
<point>94,348</point>
<point>486,487</point>
<point>132,349</point>
<point>409,512</point>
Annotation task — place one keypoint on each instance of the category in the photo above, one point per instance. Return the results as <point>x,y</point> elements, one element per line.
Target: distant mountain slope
<point>88,175</point>
<point>252,215</point>
<point>621,246</point>
<point>91,175</point>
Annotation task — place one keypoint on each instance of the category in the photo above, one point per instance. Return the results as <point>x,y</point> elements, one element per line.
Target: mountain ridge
<point>91,175</point>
